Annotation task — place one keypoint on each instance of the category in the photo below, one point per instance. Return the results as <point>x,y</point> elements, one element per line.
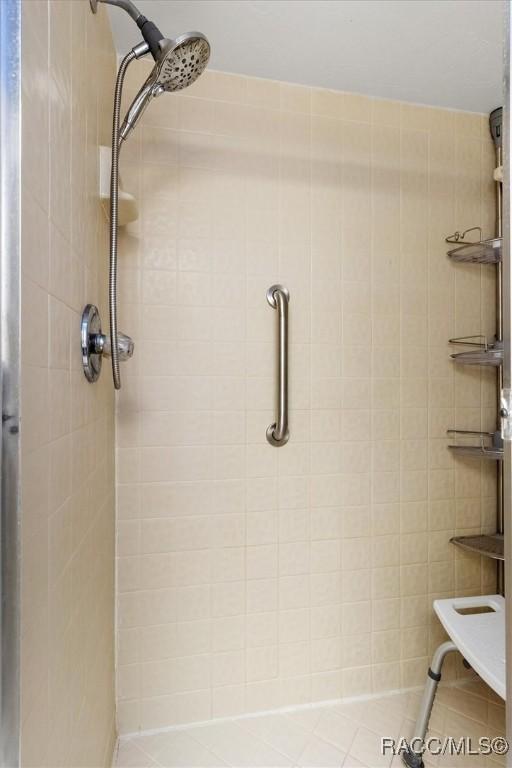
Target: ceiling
<point>446,53</point>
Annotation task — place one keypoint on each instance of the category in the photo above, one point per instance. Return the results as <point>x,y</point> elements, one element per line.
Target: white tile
<point>279,732</point>
<point>352,762</point>
<point>237,746</point>
<point>366,747</point>
<point>178,750</point>
<point>320,754</point>
<point>129,755</point>
<point>306,718</point>
<point>336,729</point>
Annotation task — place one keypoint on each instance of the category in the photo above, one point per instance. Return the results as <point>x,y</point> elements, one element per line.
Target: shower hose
<point>114,194</point>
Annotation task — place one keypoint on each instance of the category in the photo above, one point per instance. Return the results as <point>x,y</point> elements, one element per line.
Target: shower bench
<point>476,628</point>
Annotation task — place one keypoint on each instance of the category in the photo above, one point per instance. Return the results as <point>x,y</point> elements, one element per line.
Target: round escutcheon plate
<point>90,328</point>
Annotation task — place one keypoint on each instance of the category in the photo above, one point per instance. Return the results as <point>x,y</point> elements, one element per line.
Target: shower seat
<point>476,628</point>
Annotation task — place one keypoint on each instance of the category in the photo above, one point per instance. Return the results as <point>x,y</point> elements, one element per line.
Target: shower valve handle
<point>125,345</point>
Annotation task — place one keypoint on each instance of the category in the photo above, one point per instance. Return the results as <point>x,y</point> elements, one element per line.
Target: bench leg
<point>413,757</point>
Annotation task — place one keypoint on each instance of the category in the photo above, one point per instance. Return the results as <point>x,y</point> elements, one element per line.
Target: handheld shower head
<point>182,61</point>
<point>178,65</point>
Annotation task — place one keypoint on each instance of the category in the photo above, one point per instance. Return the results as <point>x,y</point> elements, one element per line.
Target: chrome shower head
<point>182,61</point>
<point>178,64</point>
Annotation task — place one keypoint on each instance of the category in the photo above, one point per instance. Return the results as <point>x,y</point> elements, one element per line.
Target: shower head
<point>178,64</point>
<point>181,61</point>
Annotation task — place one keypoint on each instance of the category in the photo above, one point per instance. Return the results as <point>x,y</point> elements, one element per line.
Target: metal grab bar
<point>278,433</point>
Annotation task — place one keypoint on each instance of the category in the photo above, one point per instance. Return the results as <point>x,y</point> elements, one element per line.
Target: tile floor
<point>342,734</point>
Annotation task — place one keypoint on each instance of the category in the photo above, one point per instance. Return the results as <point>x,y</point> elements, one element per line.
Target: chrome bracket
<point>506,414</point>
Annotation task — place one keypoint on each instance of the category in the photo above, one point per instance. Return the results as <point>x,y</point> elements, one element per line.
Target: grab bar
<point>278,298</point>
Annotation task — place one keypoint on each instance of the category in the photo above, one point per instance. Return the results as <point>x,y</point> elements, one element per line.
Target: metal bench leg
<point>413,757</point>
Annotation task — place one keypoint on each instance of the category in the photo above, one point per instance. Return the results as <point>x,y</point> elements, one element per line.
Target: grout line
<point>455,683</point>
<point>277,711</point>
<point>311,735</point>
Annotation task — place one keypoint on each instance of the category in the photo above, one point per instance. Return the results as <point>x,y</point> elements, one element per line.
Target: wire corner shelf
<point>485,352</point>
<point>481,251</point>
<point>489,447</point>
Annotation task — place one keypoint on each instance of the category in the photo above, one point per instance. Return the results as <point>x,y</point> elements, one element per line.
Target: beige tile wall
<point>251,577</point>
<point>67,668</point>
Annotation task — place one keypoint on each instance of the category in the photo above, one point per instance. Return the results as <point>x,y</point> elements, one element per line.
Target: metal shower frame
<point>10,237</point>
<point>507,362</point>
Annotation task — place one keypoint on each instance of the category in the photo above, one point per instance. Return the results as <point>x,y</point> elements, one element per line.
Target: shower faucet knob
<point>96,345</point>
<point>125,345</point>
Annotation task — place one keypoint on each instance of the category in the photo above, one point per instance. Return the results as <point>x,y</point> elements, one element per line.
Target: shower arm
<point>149,31</point>
<point>126,5</point>
<point>139,50</point>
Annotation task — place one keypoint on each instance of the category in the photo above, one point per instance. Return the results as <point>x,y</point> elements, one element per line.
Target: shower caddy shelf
<point>477,250</point>
<point>486,353</point>
<point>488,545</point>
<point>492,451</point>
